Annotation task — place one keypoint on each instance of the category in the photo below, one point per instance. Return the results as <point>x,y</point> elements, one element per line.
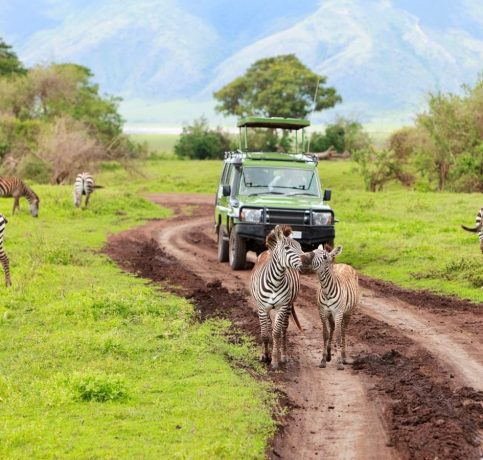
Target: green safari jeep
<point>259,190</point>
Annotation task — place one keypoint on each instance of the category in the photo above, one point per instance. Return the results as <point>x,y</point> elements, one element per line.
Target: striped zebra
<point>15,187</point>
<point>337,297</point>
<point>478,228</point>
<point>3,255</point>
<point>274,284</point>
<point>84,185</point>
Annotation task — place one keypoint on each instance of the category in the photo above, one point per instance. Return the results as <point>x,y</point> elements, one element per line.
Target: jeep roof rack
<point>271,156</point>
<point>273,122</point>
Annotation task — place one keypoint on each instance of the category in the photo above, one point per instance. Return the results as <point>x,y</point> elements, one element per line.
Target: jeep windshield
<point>278,181</point>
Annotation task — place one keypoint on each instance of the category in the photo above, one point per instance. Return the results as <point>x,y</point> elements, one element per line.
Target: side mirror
<point>327,194</point>
<point>226,190</point>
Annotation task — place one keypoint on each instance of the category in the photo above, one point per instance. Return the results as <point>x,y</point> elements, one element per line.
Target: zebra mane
<point>271,239</point>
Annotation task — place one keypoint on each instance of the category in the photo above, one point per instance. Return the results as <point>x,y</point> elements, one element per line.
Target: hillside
<point>383,56</point>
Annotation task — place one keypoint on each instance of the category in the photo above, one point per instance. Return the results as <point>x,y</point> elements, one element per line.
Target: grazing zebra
<point>337,297</point>
<point>84,185</point>
<point>275,283</point>
<point>478,228</point>
<point>3,255</point>
<point>15,187</point>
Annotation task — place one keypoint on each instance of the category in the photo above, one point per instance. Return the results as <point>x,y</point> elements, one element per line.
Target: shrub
<point>198,141</point>
<point>99,387</point>
<point>343,135</point>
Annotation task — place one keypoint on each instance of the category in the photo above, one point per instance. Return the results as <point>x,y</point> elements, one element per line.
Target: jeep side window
<point>224,174</point>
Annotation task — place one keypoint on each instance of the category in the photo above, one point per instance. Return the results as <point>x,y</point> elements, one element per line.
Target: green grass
<point>96,363</point>
<point>159,143</point>
<point>411,238</point>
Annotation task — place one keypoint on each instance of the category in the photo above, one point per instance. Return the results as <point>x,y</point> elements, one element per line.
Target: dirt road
<point>414,389</point>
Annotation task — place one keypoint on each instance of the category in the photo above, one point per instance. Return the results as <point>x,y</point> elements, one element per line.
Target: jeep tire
<point>237,251</point>
<point>223,246</point>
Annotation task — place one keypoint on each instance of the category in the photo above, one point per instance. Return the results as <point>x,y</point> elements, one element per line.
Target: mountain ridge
<point>381,56</point>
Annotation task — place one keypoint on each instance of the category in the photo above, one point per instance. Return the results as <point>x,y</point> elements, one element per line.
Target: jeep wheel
<point>238,251</point>
<point>222,246</point>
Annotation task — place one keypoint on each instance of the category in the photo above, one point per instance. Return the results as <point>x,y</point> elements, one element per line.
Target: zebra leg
<point>6,267</point>
<point>87,200</point>
<point>265,327</point>
<point>16,204</point>
<point>277,338</point>
<point>325,336</point>
<point>338,340</point>
<point>345,323</point>
<point>284,321</point>
<point>331,334</point>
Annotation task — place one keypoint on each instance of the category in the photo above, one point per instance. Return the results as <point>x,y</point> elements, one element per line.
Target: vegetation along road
<point>414,389</point>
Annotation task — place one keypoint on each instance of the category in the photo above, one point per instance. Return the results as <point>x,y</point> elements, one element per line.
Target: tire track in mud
<point>400,401</point>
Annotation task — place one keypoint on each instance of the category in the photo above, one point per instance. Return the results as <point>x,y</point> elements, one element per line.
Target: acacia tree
<point>279,86</point>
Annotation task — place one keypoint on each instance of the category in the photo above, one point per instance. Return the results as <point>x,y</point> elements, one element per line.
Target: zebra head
<point>319,259</point>
<point>34,207</point>
<point>283,248</point>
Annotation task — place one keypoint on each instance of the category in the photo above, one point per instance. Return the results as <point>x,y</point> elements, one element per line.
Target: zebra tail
<point>295,318</point>
<point>98,186</point>
<point>468,229</point>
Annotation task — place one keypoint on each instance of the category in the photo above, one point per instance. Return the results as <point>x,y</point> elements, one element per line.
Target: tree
<point>198,141</point>
<point>9,62</point>
<point>279,86</point>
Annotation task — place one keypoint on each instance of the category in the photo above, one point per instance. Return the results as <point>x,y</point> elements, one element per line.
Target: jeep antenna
<point>313,110</point>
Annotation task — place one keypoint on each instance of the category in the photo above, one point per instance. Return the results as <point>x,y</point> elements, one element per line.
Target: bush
<point>379,167</point>
<point>99,387</point>
<point>198,141</point>
<point>32,168</point>
<point>343,135</point>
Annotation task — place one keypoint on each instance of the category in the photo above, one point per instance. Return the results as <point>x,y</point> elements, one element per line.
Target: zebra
<point>3,255</point>
<point>274,284</point>
<point>84,185</point>
<point>337,297</point>
<point>16,188</point>
<point>478,228</point>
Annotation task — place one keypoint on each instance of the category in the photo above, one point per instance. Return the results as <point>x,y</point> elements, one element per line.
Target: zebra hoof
<point>264,359</point>
<point>284,360</point>
<point>340,367</point>
<point>322,363</point>
<point>274,366</point>
<point>329,356</point>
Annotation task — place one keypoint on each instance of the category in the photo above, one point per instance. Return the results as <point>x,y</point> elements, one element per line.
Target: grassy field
<point>407,237</point>
<point>161,144</point>
<point>98,364</point>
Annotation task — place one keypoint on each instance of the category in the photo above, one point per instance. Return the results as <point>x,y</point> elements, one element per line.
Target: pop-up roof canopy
<point>273,122</point>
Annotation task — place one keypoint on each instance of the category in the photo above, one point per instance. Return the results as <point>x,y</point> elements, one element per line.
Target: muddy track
<point>414,390</point>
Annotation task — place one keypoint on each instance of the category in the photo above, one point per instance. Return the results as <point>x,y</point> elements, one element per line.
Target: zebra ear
<point>336,251</point>
<point>278,232</point>
<point>321,246</point>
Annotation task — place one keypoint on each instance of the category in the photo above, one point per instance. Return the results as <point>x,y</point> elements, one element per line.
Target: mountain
<point>166,57</point>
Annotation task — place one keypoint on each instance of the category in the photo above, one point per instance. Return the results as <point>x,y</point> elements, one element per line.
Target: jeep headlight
<point>321,218</point>
<point>251,215</point>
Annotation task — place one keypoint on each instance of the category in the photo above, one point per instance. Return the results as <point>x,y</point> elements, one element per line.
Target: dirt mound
<point>428,419</point>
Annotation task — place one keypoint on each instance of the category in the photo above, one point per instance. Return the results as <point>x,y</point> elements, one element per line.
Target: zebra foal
<point>16,188</point>
<point>3,255</point>
<point>84,185</point>
<point>274,284</point>
<point>337,297</point>
<point>478,228</point>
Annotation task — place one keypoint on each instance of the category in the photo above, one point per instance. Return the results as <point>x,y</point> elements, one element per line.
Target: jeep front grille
<point>286,216</point>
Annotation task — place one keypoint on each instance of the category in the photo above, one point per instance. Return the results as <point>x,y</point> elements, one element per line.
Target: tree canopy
<point>279,86</point>
<point>9,62</point>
